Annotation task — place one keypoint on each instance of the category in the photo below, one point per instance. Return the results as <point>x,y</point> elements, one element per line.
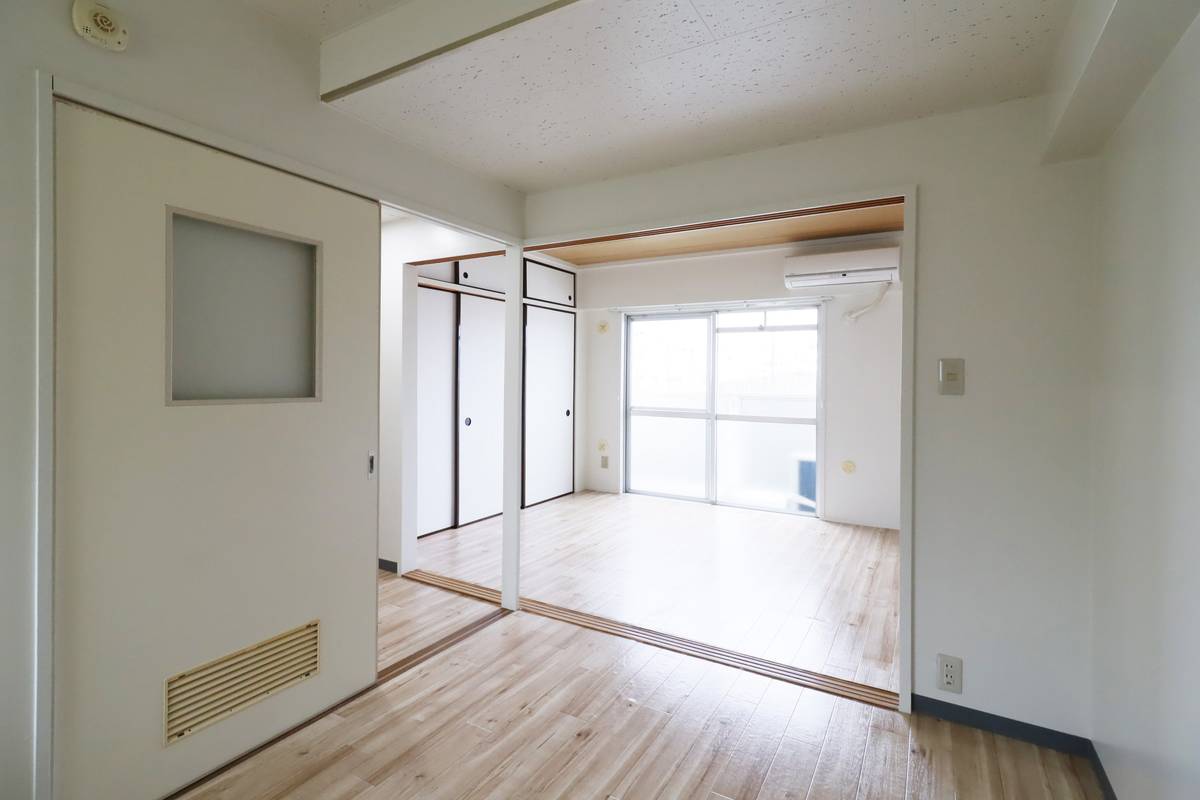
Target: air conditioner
<point>842,268</point>
<point>841,278</point>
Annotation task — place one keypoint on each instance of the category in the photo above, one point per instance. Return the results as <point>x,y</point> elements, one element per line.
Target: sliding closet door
<point>480,407</point>
<point>436,323</point>
<point>549,404</point>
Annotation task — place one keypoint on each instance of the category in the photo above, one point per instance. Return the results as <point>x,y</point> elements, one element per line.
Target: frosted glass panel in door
<point>549,403</point>
<point>480,407</point>
<point>767,373</point>
<point>243,313</point>
<point>667,455</point>
<point>435,409</point>
<point>767,465</point>
<point>668,363</point>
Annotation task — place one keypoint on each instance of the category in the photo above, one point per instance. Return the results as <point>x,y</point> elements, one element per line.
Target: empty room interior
<point>617,399</point>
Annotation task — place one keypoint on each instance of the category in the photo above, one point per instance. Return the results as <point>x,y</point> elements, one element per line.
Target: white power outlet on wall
<point>949,673</point>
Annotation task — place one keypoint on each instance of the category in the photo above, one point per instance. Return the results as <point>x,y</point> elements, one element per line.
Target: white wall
<point>218,65</point>
<point>1147,434</point>
<point>391,390</point>
<point>600,382</point>
<point>1005,266</point>
<point>862,368</point>
<point>862,411</point>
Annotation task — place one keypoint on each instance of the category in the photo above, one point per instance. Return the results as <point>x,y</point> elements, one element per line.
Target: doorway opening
<point>732,468</point>
<point>442,305</point>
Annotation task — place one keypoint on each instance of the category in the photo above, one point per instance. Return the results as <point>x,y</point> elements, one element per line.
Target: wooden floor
<point>530,707</point>
<point>413,616</point>
<point>812,594</point>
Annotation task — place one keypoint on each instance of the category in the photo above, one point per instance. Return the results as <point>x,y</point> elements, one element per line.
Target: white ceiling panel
<point>725,19</point>
<point>602,88</point>
<point>320,19</point>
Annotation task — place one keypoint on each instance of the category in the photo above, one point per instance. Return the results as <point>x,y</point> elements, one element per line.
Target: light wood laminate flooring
<point>797,590</point>
<point>413,616</point>
<point>530,707</point>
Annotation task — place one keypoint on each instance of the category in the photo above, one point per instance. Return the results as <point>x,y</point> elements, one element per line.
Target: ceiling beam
<point>413,32</point>
<point>1108,54</point>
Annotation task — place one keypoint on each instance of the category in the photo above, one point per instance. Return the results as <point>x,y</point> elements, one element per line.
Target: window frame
<point>709,413</point>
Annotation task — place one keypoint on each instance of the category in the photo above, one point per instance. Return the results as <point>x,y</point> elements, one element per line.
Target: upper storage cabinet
<point>549,284</point>
<point>438,271</point>
<point>482,273</point>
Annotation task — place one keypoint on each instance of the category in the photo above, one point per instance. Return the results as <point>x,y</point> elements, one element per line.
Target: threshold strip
<point>383,676</point>
<point>772,669</point>
<point>445,643</point>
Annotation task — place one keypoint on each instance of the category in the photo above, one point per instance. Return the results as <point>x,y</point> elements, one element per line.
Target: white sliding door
<point>437,313</point>
<point>480,407</point>
<point>669,405</point>
<point>216,400</point>
<point>766,393</point>
<point>549,404</point>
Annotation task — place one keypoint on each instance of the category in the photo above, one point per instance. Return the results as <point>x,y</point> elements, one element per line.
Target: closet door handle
<point>467,422</point>
<point>568,412</point>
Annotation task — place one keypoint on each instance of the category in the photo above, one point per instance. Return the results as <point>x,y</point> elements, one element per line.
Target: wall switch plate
<point>949,673</point>
<point>952,376</point>
<point>603,462</point>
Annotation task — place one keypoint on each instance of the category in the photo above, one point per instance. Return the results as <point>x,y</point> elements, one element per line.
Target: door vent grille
<point>210,692</point>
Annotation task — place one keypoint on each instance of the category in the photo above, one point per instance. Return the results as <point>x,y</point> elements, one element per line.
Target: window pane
<point>767,373</point>
<point>668,363</point>
<point>767,465</point>
<point>793,316</point>
<point>667,455</point>
<point>243,313</point>
<point>740,319</point>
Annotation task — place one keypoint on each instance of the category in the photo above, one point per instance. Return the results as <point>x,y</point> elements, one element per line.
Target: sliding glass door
<point>722,406</point>
<point>670,405</point>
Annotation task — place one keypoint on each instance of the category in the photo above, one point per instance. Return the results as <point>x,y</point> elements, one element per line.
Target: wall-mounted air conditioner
<point>841,278</point>
<point>845,268</point>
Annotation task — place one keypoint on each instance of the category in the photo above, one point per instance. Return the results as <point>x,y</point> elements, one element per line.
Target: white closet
<point>460,391</point>
<point>549,446</point>
<point>460,398</point>
<point>437,319</point>
<point>480,408</point>
<point>547,284</point>
<point>549,403</point>
<point>481,273</point>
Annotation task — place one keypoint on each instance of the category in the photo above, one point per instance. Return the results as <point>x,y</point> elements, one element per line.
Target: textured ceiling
<point>602,88</point>
<point>320,19</point>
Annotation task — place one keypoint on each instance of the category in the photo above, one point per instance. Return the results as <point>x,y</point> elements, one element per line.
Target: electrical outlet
<point>603,462</point>
<point>949,673</point>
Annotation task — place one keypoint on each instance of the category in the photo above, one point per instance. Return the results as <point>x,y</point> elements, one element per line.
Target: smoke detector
<point>100,25</point>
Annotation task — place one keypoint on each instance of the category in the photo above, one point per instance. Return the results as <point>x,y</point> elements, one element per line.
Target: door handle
<point>568,412</point>
<point>467,421</point>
